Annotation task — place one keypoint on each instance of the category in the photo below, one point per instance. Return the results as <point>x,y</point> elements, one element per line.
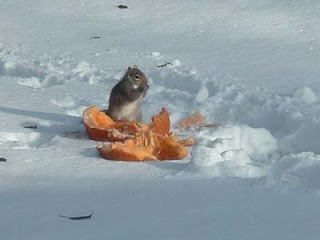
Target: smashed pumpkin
<point>134,141</point>
<point>101,127</point>
<point>145,147</point>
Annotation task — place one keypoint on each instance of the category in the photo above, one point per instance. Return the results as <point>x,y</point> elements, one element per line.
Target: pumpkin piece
<point>94,117</point>
<point>146,147</point>
<point>169,148</point>
<point>161,122</point>
<point>193,121</point>
<point>124,152</point>
<point>101,127</point>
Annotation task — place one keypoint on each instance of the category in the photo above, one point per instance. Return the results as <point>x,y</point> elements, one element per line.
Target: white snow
<point>305,94</point>
<point>250,66</point>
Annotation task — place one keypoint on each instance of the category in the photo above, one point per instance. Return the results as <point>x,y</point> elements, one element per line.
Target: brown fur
<point>126,96</point>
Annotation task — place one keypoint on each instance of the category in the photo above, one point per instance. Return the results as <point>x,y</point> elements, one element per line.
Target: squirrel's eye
<point>137,77</point>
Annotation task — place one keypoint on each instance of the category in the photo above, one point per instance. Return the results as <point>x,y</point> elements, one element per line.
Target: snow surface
<point>250,66</point>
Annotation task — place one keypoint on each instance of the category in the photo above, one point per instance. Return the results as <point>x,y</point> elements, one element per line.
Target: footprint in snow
<point>28,75</point>
<point>71,105</point>
<point>25,140</point>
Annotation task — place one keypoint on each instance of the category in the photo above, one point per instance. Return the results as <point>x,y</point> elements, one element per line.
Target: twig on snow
<point>122,6</point>
<point>31,126</point>
<point>85,217</point>
<point>163,65</point>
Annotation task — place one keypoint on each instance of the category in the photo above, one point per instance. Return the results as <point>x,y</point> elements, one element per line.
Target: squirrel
<point>126,96</point>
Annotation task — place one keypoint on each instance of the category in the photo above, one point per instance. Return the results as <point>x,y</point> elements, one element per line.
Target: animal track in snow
<point>177,80</point>
<point>24,140</point>
<point>73,106</point>
<point>29,75</point>
<point>48,72</point>
<point>66,102</point>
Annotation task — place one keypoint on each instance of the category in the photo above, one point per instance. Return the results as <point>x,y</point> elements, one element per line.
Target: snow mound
<point>300,170</point>
<point>304,94</point>
<point>235,147</point>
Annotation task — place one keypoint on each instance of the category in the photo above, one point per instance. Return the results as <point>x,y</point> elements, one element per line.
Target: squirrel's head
<point>137,78</point>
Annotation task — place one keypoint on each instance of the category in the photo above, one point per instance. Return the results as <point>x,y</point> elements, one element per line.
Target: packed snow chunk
<point>30,82</point>
<point>205,156</point>
<point>155,54</point>
<point>51,80</point>
<point>77,111</point>
<point>305,95</point>
<point>86,72</point>
<point>176,63</point>
<point>202,95</point>
<point>257,143</point>
<point>82,68</point>
<point>8,68</point>
<point>65,102</point>
<point>233,163</point>
<point>193,71</point>
<point>240,156</point>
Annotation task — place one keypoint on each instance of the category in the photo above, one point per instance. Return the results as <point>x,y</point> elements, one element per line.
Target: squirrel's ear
<point>135,66</point>
<point>129,69</point>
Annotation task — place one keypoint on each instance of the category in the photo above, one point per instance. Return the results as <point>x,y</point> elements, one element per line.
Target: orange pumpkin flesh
<point>161,122</point>
<point>135,141</point>
<point>147,146</point>
<point>101,127</point>
<point>195,121</point>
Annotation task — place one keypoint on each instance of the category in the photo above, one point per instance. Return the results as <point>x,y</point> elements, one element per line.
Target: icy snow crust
<point>242,180</point>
